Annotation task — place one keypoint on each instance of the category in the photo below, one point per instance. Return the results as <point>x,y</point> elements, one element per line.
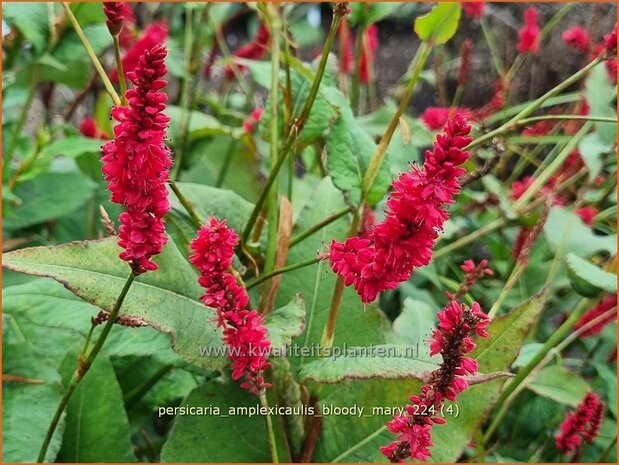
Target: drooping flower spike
<point>529,34</point>
<point>415,214</point>
<point>453,339</point>
<point>244,332</point>
<point>136,162</point>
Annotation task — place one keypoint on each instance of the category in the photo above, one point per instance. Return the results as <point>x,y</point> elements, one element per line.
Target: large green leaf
<point>73,146</point>
<point>585,275</point>
<point>210,201</point>
<point>559,384</point>
<point>565,229</point>
<point>349,151</point>
<point>28,406</point>
<point>97,427</point>
<point>46,197</point>
<point>286,323</point>
<point>167,299</point>
<point>223,436</point>
<point>440,24</point>
<point>380,361</point>
<point>32,21</point>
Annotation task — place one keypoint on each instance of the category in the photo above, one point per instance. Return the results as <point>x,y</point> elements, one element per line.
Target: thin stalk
<point>136,394</point>
<point>490,227</point>
<point>92,55</point>
<point>122,82</point>
<point>299,123</point>
<point>278,271</point>
<point>23,116</point>
<point>185,97</point>
<point>541,180</point>
<point>491,42</point>
<point>534,105</point>
<point>597,119</point>
<point>195,219</point>
<point>354,88</point>
<point>604,455</point>
<point>84,365</point>
<point>317,227</point>
<point>270,431</point>
<point>272,14</point>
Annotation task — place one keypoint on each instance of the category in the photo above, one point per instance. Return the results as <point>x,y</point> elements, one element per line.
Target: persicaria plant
<point>304,232</point>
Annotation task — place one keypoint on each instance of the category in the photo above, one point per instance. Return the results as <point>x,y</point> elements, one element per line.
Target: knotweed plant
<point>307,232</point>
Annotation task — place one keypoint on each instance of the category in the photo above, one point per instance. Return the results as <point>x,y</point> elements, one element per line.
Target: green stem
<point>195,219</point>
<point>185,97</point>
<point>381,149</point>
<point>84,366</point>
<point>597,119</point>
<point>317,227</point>
<point>533,106</point>
<point>226,165</point>
<point>23,116</point>
<point>284,269</point>
<point>122,82</point>
<point>604,455</point>
<point>136,394</point>
<point>270,431</point>
<point>545,175</point>
<point>273,20</point>
<point>297,126</point>
<point>491,42</point>
<point>92,55</point>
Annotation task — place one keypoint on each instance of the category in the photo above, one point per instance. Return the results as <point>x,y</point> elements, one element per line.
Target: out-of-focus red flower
<point>369,45</point>
<point>610,43</point>
<point>465,62</point>
<point>89,128</point>
<point>587,214</point>
<point>436,117</point>
<point>496,103</point>
<point>116,14</point>
<point>529,34</point>
<point>249,125</point>
<point>346,54</point>
<point>155,34</point>
<point>607,304</point>
<point>577,37</point>
<point>584,423</point>
<point>474,10</point>
<point>253,50</point>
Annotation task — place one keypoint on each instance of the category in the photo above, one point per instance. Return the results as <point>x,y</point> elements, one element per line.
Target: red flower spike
<point>452,339</point>
<point>583,423</point>
<point>369,45</point>
<point>529,34</point>
<point>346,54</point>
<point>244,332</point>
<point>474,10</point>
<point>116,13</point>
<point>415,214</point>
<point>136,163</point>
<point>254,50</point>
<point>577,37</point>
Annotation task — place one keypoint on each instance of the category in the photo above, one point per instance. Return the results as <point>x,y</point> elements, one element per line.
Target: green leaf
<point>591,149</point>
<point>559,384</point>
<point>28,408</point>
<point>47,197</point>
<point>73,146</point>
<point>440,24</point>
<point>565,229</point>
<point>32,21</point>
<point>168,299</point>
<point>97,427</point>
<point>357,324</point>
<point>349,151</point>
<point>380,361</point>
<point>286,323</point>
<point>200,125</point>
<point>210,201</point>
<point>415,322</point>
<point>588,278</point>
<point>217,437</point>
<point>601,94</point>
<point>495,353</point>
